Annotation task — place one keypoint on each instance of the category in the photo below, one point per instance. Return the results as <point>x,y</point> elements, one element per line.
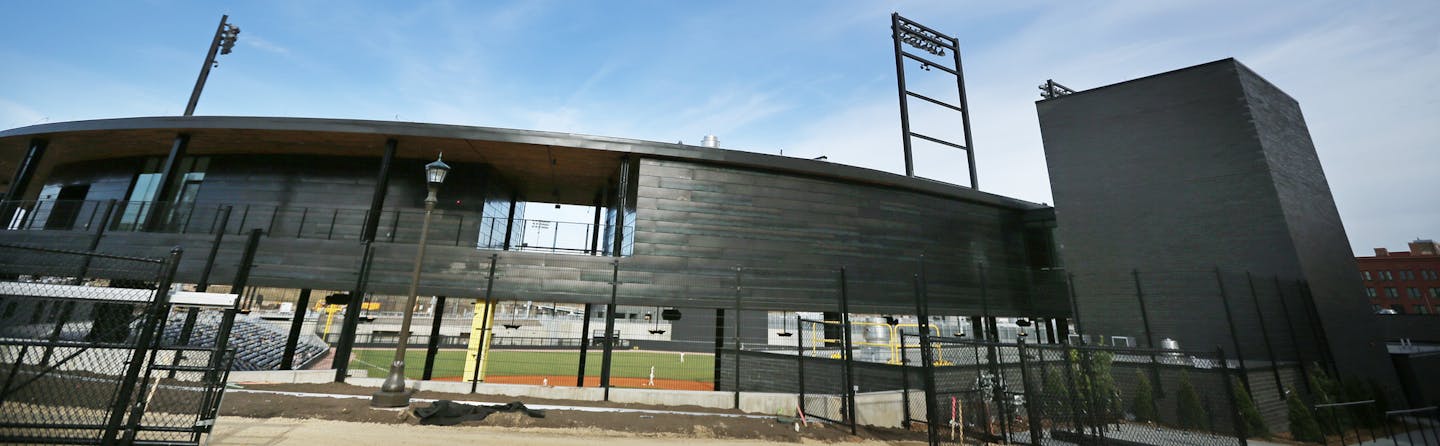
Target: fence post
<point>62,318</point>
<point>247,261</point>
<point>738,318</point>
<point>1149,334</point>
<point>485,337</point>
<point>224,220</point>
<point>1234,335</point>
<point>1235,419</point>
<point>927,364</point>
<point>433,346</point>
<point>584,345</point>
<point>1294,340</point>
<point>800,363</point>
<point>1031,408</point>
<point>1265,335</point>
<point>849,354</point>
<point>352,314</point>
<point>147,338</point>
<point>719,344</point>
<point>94,243</point>
<point>904,381</point>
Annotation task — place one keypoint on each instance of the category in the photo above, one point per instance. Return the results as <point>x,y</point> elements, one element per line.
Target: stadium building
<point>1206,169</point>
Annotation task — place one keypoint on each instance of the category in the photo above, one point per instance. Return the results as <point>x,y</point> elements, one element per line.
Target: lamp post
<point>392,393</point>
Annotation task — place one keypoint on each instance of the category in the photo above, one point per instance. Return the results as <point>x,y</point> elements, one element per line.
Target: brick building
<point>1406,282</point>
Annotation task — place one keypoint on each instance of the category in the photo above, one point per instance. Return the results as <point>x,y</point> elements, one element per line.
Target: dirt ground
<point>265,412</point>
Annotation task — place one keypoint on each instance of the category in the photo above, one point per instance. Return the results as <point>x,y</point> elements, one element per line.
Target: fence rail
<point>448,227</point>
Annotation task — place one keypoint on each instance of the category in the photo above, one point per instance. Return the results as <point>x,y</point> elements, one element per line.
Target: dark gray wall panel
<point>1180,173</point>
<point>709,217</point>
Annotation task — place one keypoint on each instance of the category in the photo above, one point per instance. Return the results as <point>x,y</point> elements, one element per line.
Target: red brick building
<point>1405,282</point>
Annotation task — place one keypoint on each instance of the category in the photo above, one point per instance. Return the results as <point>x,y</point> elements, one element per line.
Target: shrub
<point>1254,423</point>
<point>1189,412</point>
<point>1326,391</point>
<point>1143,405</point>
<point>1302,423</point>
<point>1057,395</point>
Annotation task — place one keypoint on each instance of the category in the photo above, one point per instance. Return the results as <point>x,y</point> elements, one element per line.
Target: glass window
<point>1392,293</point>
<point>1385,275</point>
<point>1365,275</point>
<point>1435,292</point>
<point>1407,275</point>
<point>1413,292</point>
<point>1369,292</point>
<point>1421,309</point>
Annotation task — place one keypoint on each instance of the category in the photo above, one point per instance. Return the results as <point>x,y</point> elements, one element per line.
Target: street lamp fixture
<point>392,393</point>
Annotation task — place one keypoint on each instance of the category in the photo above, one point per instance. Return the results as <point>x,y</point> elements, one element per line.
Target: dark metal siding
<point>1187,171</point>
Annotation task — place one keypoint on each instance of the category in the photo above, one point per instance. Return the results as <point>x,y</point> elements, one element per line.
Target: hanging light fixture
<point>785,326</point>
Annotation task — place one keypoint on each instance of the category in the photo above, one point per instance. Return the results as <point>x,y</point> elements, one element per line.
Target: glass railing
<point>447,227</point>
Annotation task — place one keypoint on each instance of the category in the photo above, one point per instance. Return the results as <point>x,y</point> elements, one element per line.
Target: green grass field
<point>697,367</point>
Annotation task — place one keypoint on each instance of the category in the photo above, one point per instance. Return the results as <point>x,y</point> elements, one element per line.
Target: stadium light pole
<point>224,40</point>
<point>392,393</point>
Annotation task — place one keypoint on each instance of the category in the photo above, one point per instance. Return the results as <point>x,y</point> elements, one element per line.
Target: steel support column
<point>159,210</point>
<point>287,362</point>
<point>605,360</point>
<point>377,197</point>
<point>20,183</point>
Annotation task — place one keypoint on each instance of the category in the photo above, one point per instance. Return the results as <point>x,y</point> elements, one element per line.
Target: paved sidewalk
<point>288,431</point>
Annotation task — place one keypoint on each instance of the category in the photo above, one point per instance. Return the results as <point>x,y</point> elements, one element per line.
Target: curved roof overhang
<point>577,160</point>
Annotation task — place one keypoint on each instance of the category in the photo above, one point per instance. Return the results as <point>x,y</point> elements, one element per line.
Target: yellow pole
<point>480,334</point>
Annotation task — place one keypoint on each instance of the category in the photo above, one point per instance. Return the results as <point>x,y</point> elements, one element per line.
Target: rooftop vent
<point>711,141</point>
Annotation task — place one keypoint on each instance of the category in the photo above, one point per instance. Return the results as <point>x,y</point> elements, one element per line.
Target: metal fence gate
<point>1048,394</point>
<point>825,389</point>
<point>89,353</point>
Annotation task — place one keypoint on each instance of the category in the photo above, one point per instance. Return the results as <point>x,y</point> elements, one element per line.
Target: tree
<point>1143,404</point>
<point>1302,423</point>
<point>1254,423</point>
<point>1190,413</point>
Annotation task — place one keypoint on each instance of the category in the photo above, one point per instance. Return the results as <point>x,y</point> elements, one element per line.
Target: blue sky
<point>807,77</point>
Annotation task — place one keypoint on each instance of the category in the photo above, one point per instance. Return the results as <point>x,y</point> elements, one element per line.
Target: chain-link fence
<point>1060,394</point>
<point>87,359</point>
